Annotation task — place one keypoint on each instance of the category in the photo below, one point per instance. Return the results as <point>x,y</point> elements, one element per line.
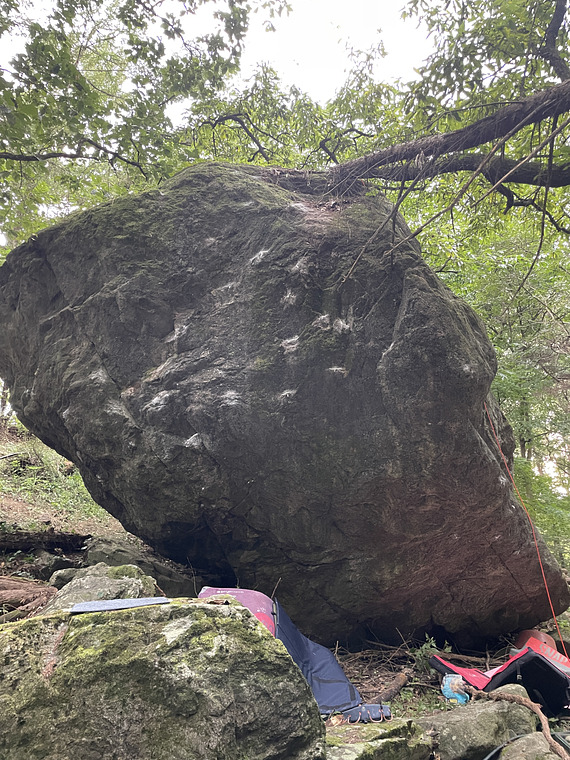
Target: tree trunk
<point>23,540</point>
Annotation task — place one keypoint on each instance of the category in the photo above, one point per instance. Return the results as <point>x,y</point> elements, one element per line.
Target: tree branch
<point>239,118</point>
<point>549,51</point>
<point>510,119</point>
<point>517,202</point>
<point>528,174</point>
<point>77,154</point>
<point>27,157</point>
<point>549,139</point>
<point>498,146</point>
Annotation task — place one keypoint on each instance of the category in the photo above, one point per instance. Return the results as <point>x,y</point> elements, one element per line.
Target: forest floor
<point>39,490</point>
<point>27,515</point>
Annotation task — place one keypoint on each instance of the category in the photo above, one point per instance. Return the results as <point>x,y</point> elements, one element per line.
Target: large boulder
<point>180,681</point>
<point>267,383</point>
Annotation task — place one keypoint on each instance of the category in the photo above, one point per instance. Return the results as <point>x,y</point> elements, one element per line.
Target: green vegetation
<point>419,700</point>
<point>548,508</point>
<point>48,484</point>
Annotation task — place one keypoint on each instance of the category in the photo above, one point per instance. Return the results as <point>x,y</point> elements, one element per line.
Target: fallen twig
<point>395,687</point>
<point>487,661</point>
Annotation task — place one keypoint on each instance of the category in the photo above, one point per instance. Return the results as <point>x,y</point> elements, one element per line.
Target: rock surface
<point>182,681</point>
<point>396,740</point>
<point>471,732</point>
<point>172,579</point>
<point>101,582</point>
<point>45,564</point>
<point>240,402</point>
<point>531,747</point>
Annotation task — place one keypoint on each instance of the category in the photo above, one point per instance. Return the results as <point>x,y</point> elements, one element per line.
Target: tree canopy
<point>89,90</point>
<point>94,86</point>
<point>474,151</point>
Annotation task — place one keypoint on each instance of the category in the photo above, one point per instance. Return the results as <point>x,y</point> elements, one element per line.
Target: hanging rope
<point>532,529</point>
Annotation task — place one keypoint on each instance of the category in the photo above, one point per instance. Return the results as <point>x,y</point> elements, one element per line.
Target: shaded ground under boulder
<point>172,579</point>
<point>249,403</point>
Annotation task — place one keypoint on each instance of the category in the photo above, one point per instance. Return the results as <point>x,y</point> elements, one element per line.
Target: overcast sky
<point>308,47</point>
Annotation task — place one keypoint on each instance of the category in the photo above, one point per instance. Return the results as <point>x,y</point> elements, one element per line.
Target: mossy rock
<point>472,731</point>
<point>394,740</point>
<point>181,681</point>
<point>103,582</point>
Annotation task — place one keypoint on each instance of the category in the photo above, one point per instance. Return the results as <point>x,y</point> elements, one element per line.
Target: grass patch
<point>420,699</point>
<point>32,472</point>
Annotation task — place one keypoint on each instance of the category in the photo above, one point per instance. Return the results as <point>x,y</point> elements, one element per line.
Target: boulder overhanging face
<point>238,401</point>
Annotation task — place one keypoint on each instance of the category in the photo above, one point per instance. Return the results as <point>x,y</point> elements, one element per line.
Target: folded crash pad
<point>331,688</point>
<point>256,602</point>
<point>542,670</point>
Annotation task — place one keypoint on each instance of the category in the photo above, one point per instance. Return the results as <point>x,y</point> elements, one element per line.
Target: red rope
<point>532,529</point>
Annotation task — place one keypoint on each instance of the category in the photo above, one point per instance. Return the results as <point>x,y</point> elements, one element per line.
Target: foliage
<point>548,508</point>
<point>84,107</point>
<point>97,84</point>
<point>422,653</point>
<point>489,53</point>
<point>39,475</point>
<point>413,701</point>
<point>528,322</point>
<point>490,49</point>
<point>263,122</point>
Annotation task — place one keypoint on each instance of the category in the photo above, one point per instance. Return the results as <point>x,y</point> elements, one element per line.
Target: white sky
<point>308,47</point>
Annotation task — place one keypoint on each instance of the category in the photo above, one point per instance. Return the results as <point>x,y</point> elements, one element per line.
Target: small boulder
<point>61,577</point>
<point>103,582</point>
<point>174,681</point>
<point>531,747</point>
<point>45,564</point>
<point>472,731</point>
<point>395,740</point>
<point>172,578</point>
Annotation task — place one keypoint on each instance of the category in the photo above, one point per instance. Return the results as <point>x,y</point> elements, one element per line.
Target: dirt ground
<point>17,513</point>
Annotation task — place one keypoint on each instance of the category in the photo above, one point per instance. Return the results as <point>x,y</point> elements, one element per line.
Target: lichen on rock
<point>168,682</point>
